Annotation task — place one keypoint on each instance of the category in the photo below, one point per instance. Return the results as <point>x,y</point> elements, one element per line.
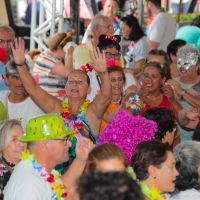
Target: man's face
<point>6,39</point>
<point>76,86</point>
<point>15,84</point>
<point>110,7</point>
<point>105,27</point>
<point>60,151</point>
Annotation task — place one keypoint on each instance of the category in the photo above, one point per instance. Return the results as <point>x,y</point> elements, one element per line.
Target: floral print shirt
<point>6,169</point>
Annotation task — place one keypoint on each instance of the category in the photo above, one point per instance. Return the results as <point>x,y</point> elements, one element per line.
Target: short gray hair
<point>7,28</point>
<point>5,132</point>
<point>187,156</point>
<point>97,20</point>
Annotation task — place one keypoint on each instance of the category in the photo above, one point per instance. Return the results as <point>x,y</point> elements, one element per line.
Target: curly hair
<point>187,156</point>
<point>148,153</point>
<point>108,186</point>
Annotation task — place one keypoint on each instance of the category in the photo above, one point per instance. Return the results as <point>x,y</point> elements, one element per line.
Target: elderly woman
<point>187,156</point>
<point>154,165</point>
<point>10,149</point>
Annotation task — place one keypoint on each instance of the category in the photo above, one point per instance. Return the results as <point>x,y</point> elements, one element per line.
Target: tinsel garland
<point>127,130</point>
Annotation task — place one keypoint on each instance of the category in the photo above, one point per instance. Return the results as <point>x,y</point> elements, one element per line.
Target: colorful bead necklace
<point>53,178</point>
<point>72,121</point>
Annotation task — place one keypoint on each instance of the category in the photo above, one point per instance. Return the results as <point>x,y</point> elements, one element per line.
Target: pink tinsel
<point>127,130</point>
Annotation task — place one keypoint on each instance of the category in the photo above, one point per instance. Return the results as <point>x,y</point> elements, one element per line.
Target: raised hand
<point>83,148</point>
<point>18,50</point>
<point>99,60</point>
<point>169,92</point>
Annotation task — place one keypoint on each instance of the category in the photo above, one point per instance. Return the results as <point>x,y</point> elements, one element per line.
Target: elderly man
<point>80,115</point>
<point>34,177</point>
<point>7,36</point>
<point>162,29</point>
<point>100,25</point>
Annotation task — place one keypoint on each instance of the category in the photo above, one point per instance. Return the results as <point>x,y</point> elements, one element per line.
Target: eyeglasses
<point>6,42</point>
<point>77,82</point>
<point>62,139</point>
<point>109,55</point>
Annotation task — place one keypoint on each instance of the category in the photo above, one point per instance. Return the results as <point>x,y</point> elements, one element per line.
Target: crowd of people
<point>117,116</point>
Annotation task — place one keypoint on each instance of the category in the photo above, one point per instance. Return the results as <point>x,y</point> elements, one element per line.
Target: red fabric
<point>2,55</point>
<point>164,104</point>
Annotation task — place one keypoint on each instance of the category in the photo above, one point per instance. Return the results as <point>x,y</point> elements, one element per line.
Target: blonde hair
<point>5,132</point>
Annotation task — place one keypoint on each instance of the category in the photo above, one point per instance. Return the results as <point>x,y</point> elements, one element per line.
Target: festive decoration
<point>113,38</point>
<point>3,112</point>
<point>152,193</point>
<point>87,68</point>
<point>135,103</point>
<point>149,21</point>
<point>2,55</point>
<point>127,131</point>
<point>53,178</point>
<point>71,121</point>
<point>112,62</point>
<point>187,57</point>
<point>46,126</point>
<point>128,56</point>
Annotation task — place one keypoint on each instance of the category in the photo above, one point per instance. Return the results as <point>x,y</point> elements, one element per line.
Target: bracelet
<point>20,65</point>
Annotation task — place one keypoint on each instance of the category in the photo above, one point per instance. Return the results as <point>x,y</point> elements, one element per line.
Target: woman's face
<point>125,30</point>
<point>112,53</point>
<point>13,149</point>
<point>152,79</point>
<point>165,176</point>
<point>110,165</point>
<point>117,82</point>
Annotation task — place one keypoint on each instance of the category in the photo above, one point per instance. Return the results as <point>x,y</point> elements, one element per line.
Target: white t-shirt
<point>186,195</point>
<point>26,184</point>
<point>22,111</point>
<point>136,51</point>
<point>162,30</point>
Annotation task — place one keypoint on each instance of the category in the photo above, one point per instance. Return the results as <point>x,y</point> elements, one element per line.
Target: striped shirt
<point>53,84</point>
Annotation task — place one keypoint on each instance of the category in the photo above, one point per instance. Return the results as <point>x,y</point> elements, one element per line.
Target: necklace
<point>75,122</point>
<point>53,178</point>
<point>152,193</point>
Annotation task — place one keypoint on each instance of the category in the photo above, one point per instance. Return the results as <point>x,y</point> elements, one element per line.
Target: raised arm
<point>100,103</point>
<point>45,101</point>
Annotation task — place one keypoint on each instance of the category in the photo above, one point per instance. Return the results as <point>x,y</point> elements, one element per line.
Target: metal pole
<point>141,10</point>
<point>53,17</point>
<point>33,23</point>
<point>74,9</point>
<point>61,19</point>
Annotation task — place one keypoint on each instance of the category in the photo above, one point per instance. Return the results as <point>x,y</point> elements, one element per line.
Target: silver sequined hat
<point>187,57</point>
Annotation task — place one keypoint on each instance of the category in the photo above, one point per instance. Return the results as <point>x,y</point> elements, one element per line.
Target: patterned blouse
<point>6,169</point>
